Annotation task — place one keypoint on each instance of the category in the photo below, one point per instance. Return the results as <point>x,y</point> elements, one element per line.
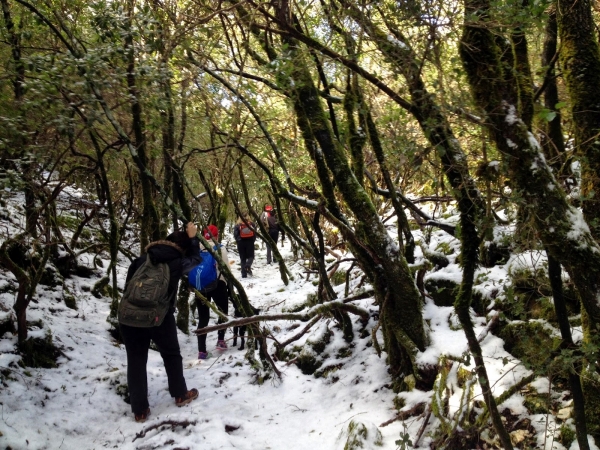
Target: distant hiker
<point>273,229</point>
<point>264,215</point>
<point>244,235</point>
<point>219,293</point>
<point>146,314</point>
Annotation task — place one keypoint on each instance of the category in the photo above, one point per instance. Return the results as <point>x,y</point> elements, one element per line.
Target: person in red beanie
<point>220,296</point>
<point>211,232</point>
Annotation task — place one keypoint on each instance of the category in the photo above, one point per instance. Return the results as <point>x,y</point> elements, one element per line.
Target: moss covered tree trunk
<point>150,229</point>
<point>400,302</point>
<point>437,130</point>
<point>553,141</point>
<point>580,61</point>
<point>114,237</point>
<point>18,141</point>
<point>561,228</point>
<point>471,206</point>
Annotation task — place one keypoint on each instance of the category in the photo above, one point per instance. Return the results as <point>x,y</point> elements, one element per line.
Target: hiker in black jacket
<point>181,251</point>
<point>220,295</point>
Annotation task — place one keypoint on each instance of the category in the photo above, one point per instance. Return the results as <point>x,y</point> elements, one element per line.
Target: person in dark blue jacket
<point>181,251</point>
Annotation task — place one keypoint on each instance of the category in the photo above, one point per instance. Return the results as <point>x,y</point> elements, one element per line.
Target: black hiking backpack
<point>145,302</point>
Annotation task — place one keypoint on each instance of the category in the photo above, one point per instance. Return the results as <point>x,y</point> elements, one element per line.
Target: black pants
<point>221,298</point>
<point>274,234</point>
<point>246,249</point>
<point>137,343</point>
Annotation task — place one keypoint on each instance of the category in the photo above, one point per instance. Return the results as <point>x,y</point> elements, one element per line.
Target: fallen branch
<point>330,251</point>
<point>172,423</point>
<point>423,426</point>
<point>340,261</point>
<point>489,327</point>
<point>360,296</point>
<point>299,334</point>
<point>324,308</point>
<point>416,410</point>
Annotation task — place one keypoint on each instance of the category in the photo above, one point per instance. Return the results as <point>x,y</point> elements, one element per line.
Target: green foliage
<point>338,278</point>
<point>52,126</point>
<point>547,114</point>
<point>360,437</point>
<point>537,403</point>
<point>67,221</point>
<point>442,291</point>
<point>308,362</point>
<point>458,430</point>
<point>102,288</point>
<point>525,339</point>
<point>39,352</point>
<point>399,403</point>
<point>410,382</point>
<point>70,300</point>
<point>535,281</point>
<point>566,435</point>
<point>344,352</point>
<point>328,370</point>
<point>445,248</point>
<point>526,296</point>
<point>404,443</point>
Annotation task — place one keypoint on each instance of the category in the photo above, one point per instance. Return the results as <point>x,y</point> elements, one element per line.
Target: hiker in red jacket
<point>245,235</point>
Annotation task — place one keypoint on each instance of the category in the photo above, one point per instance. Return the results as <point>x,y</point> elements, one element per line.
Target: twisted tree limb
<point>325,308</point>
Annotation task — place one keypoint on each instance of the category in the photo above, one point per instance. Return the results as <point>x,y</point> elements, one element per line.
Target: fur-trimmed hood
<point>164,252</point>
<point>164,242</point>
<point>170,253</point>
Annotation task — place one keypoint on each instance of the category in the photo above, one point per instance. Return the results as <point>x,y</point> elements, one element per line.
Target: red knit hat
<point>210,232</point>
<point>268,208</point>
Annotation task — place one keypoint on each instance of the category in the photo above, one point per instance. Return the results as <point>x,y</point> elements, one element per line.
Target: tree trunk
<point>553,142</point>
<point>561,227</point>
<point>150,230</point>
<point>580,60</point>
<point>554,274</point>
<point>400,302</point>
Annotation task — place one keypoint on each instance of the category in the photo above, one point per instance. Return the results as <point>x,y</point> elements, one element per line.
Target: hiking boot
<point>142,417</point>
<point>249,270</point>
<point>221,345</point>
<point>203,355</point>
<point>187,398</point>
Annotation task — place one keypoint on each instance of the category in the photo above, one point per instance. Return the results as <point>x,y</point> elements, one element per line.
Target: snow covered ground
<point>76,406</point>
